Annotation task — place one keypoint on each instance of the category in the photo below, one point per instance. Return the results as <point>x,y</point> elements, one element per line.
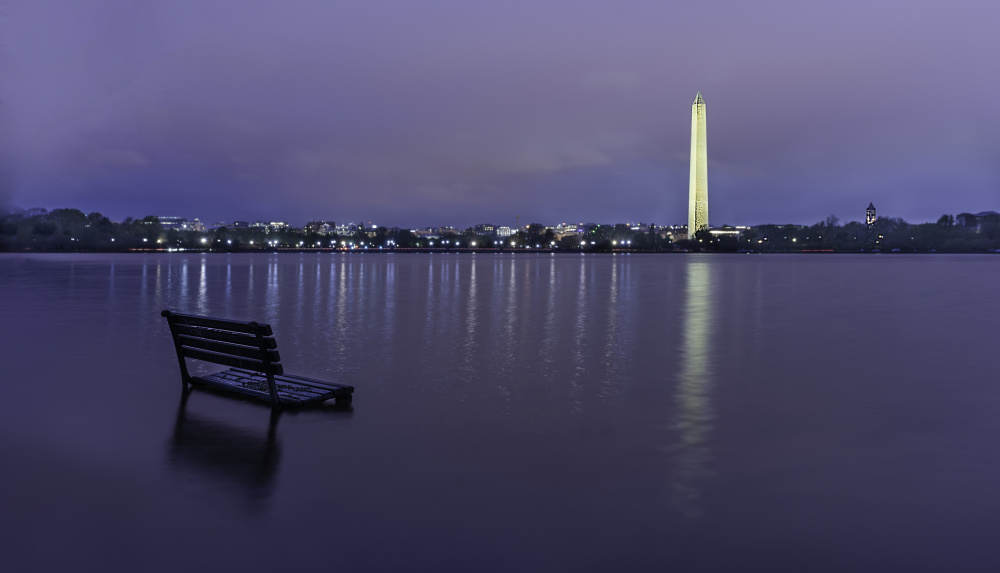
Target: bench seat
<point>294,391</point>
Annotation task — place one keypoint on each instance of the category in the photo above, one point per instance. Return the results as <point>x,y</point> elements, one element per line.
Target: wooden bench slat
<point>227,348</point>
<point>318,384</point>
<point>228,386</point>
<point>303,392</point>
<point>221,324</point>
<point>321,385</point>
<point>220,381</point>
<point>228,360</point>
<point>224,335</point>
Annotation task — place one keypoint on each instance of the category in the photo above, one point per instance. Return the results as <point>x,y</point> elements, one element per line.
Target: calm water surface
<point>533,412</point>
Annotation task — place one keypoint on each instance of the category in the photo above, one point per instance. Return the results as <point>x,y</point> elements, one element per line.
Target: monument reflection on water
<point>581,412</point>
<point>693,418</point>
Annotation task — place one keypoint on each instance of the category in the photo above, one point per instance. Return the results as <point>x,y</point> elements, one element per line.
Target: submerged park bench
<point>252,352</point>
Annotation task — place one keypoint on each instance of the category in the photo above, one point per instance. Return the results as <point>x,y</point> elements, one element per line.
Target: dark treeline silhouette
<point>964,233</point>
<point>65,230</point>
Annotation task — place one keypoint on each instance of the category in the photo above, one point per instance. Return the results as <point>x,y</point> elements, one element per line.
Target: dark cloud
<point>456,113</point>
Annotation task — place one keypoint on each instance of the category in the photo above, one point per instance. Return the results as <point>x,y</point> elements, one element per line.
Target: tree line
<point>62,230</point>
<point>965,233</point>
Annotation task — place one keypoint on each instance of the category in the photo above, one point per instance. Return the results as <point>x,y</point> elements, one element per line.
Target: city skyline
<point>429,114</point>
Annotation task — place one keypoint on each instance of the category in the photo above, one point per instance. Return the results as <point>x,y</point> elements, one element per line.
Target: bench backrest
<point>246,345</point>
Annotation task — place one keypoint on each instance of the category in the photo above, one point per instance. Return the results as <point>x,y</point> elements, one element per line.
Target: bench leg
<point>272,389</point>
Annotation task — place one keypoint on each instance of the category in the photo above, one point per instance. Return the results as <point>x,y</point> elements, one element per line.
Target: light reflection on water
<point>693,420</point>
<point>512,411</point>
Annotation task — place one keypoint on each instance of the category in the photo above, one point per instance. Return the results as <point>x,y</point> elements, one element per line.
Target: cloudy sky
<point>435,112</point>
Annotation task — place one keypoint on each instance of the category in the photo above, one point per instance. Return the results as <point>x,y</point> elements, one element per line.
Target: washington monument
<point>698,190</point>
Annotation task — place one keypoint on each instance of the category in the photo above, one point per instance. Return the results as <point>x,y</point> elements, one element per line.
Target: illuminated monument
<point>698,190</point>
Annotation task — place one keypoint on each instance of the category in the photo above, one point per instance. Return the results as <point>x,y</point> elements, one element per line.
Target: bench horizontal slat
<point>250,384</point>
<point>298,392</point>
<point>224,335</point>
<point>292,384</point>
<point>227,348</point>
<point>229,360</point>
<point>214,381</point>
<point>221,324</point>
<point>319,385</point>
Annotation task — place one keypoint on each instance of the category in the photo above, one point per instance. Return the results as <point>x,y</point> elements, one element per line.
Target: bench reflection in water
<point>224,455</point>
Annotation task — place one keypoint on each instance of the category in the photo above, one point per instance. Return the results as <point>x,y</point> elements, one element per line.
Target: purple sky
<point>460,112</point>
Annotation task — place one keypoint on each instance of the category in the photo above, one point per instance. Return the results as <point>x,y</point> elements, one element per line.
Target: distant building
<point>486,229</point>
<point>565,230</point>
<point>870,219</point>
<point>504,231</point>
<point>172,223</point>
<point>728,231</point>
<point>674,232</point>
<point>319,227</point>
<point>346,229</point>
<point>181,224</point>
